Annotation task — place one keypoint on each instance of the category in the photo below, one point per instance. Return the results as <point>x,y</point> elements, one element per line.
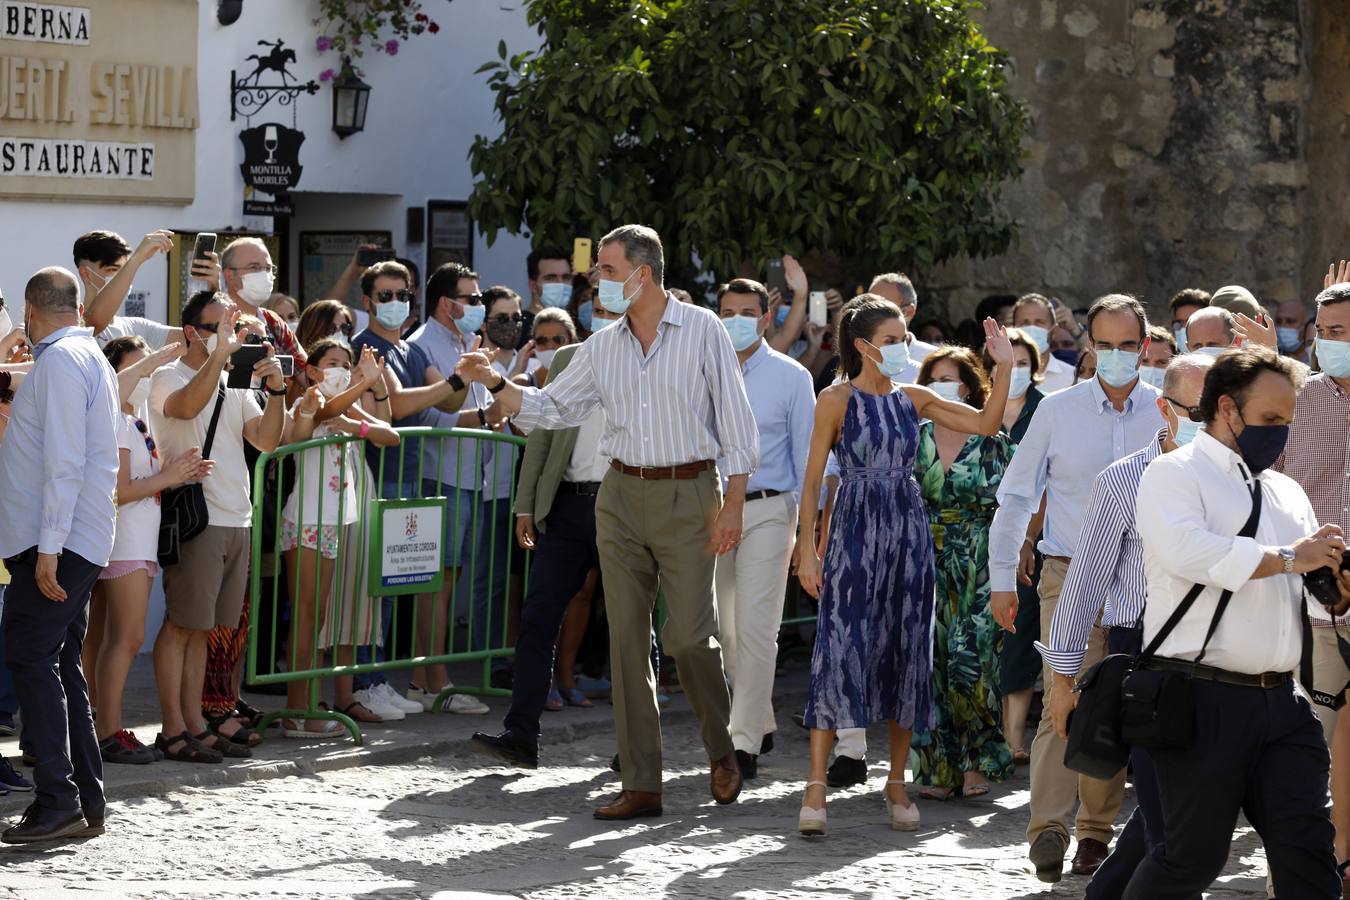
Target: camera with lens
<point>1322,583</point>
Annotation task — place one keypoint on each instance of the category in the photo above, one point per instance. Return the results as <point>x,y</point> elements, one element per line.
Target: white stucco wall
<point>426,105</point>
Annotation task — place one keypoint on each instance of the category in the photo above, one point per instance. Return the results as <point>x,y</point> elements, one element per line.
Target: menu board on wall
<point>99,101</point>
<point>325,254</point>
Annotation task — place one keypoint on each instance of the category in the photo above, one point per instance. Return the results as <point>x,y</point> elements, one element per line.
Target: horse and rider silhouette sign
<point>271,150</point>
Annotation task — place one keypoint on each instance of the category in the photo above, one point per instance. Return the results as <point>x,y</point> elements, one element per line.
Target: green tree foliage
<point>875,131</point>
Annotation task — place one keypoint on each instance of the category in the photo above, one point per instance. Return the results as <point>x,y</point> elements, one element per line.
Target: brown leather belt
<point>1265,680</point>
<point>665,473</point>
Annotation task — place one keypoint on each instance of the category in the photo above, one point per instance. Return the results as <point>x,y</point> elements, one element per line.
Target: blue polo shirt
<point>409,364</point>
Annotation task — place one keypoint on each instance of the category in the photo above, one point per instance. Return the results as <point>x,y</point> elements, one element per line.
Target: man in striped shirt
<point>1317,456</point>
<point>674,400</point>
<point>1106,581</point>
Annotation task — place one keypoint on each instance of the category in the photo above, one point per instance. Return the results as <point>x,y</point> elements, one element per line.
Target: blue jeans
<point>366,654</point>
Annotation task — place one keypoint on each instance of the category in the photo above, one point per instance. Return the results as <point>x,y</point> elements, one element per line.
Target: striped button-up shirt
<point>1317,456</point>
<point>681,402</point>
<point>1106,576</point>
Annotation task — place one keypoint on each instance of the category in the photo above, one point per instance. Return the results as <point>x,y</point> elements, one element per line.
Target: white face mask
<point>140,394</point>
<point>256,287</point>
<point>545,357</point>
<point>947,390</point>
<point>335,381</point>
<point>211,344</point>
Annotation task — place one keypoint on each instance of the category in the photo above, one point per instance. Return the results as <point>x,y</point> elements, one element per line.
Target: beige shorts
<point>207,586</point>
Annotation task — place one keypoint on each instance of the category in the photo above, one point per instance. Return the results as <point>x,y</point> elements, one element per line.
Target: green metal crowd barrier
<point>309,614</point>
<point>386,570</point>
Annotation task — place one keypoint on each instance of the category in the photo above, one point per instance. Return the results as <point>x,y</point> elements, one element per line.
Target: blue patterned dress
<point>873,657</point>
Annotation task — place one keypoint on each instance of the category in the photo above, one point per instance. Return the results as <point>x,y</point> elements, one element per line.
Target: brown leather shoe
<point>1090,854</point>
<point>631,805</point>
<point>726,779</point>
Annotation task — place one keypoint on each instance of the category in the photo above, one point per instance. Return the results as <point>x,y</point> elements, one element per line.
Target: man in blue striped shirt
<point>1106,580</point>
<point>674,401</point>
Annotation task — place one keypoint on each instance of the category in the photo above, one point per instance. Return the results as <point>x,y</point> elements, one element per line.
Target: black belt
<point>1222,676</point>
<point>761,495</point>
<point>585,488</point>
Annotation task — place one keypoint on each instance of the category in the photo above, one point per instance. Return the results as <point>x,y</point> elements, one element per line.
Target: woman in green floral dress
<point>959,475</point>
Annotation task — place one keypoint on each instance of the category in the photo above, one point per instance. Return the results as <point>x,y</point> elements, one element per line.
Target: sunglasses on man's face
<point>471,299</point>
<point>385,296</point>
<point>208,327</point>
<point>1192,412</point>
<point>507,319</point>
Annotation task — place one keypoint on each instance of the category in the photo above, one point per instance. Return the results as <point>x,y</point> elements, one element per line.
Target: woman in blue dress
<point>873,656</point>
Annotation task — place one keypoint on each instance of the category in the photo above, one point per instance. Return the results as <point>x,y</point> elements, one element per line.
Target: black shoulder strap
<point>1248,530</point>
<point>215,420</point>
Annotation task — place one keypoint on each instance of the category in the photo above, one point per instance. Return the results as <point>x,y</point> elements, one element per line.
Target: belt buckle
<point>1269,680</point>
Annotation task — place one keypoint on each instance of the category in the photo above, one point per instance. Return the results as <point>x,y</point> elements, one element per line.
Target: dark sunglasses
<point>385,296</point>
<point>347,328</point>
<point>558,341</point>
<point>505,319</point>
<point>1192,412</point>
<point>208,327</point>
<point>471,299</point>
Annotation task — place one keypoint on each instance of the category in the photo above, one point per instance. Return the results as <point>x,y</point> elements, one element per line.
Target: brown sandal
<point>370,718</point>
<point>192,750</point>
<point>223,745</point>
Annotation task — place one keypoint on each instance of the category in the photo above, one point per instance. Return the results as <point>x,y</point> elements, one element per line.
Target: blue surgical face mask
<point>1288,339</point>
<point>584,312</point>
<point>598,324</point>
<point>743,330</point>
<point>894,358</point>
<point>1152,375</point>
<point>1333,357</point>
<point>1117,368</point>
<point>1186,431</point>
<point>947,390</point>
<point>1066,356</point>
<point>392,314</point>
<point>780,315</point>
<point>555,296</point>
<point>472,318</point>
<point>1040,336</point>
<point>1021,381</point>
<point>1179,332</point>
<point>612,297</point>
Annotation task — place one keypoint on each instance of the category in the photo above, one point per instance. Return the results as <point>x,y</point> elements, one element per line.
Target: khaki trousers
<point>1329,674</point>
<point>1054,788</point>
<point>649,532</point>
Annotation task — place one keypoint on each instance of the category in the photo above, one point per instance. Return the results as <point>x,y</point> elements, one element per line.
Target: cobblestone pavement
<point>454,827</point>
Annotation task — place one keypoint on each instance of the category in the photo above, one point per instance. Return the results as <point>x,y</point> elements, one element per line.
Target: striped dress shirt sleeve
<point>1108,570</point>
<point>681,401</point>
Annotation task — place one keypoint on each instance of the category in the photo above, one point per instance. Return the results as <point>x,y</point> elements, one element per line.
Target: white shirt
<point>919,350</point>
<point>587,462</point>
<point>1192,503</point>
<point>137,535</point>
<point>1058,374</point>
<point>153,333</point>
<point>228,499</point>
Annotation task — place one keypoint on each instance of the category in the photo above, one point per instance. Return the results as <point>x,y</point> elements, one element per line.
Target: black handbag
<point>183,513</point>
<point>1123,703</point>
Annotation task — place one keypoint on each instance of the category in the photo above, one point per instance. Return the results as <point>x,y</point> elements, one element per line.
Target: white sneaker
<point>376,704</point>
<point>464,705</point>
<point>391,697</point>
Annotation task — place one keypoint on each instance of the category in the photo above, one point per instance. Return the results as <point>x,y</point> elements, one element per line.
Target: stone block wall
<point>1172,146</point>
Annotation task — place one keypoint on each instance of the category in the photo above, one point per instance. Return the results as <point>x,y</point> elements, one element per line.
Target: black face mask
<point>1261,445</point>
<point>505,336</point>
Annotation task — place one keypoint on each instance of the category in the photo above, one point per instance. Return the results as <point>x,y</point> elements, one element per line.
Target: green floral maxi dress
<point>968,735</point>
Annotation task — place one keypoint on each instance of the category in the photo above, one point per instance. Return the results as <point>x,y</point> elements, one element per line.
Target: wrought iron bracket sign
<point>248,96</point>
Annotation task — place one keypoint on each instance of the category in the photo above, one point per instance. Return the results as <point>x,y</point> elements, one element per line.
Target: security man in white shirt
<point>1257,746</point>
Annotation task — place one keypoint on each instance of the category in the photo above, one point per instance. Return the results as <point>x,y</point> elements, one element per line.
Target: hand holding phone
<point>775,278</point>
<point>816,309</point>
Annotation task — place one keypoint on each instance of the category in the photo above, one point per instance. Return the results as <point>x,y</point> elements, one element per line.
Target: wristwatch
<point>280,393</point>
<point>455,381</point>
<point>1287,555</point>
<point>500,384</point>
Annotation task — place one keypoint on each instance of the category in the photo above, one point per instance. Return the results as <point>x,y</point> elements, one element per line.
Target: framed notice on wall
<point>449,234</point>
<point>181,283</point>
<point>325,254</point>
